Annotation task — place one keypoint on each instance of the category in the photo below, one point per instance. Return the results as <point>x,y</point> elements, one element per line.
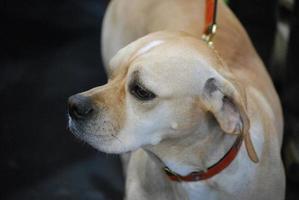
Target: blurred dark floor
<point>51,50</point>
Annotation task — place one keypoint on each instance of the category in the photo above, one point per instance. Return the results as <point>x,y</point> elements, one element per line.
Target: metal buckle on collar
<point>209,34</point>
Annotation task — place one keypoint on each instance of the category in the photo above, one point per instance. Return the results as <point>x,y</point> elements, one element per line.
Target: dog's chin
<point>107,143</point>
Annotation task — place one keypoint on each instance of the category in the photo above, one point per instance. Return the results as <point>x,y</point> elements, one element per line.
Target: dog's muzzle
<point>80,107</point>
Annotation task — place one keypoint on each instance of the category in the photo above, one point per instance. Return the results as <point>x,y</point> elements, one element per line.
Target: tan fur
<point>187,126</point>
<point>111,97</point>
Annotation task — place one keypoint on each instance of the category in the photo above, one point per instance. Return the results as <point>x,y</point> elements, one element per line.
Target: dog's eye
<point>141,93</point>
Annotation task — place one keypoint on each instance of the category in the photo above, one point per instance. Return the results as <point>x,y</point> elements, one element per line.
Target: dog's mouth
<point>80,129</point>
<point>101,140</point>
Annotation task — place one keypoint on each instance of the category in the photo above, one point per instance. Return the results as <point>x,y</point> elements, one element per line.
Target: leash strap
<point>210,27</point>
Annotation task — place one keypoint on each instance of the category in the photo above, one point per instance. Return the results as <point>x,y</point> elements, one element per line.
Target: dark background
<point>50,49</point>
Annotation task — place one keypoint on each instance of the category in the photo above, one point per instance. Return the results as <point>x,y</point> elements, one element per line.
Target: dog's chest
<point>199,190</point>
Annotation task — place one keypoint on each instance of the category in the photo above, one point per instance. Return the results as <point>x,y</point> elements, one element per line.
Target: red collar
<point>211,171</point>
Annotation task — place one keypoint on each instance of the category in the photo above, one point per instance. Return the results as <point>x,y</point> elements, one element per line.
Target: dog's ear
<point>228,106</point>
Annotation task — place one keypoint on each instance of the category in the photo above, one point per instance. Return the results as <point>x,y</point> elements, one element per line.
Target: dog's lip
<point>105,137</point>
<point>89,137</point>
<point>76,130</point>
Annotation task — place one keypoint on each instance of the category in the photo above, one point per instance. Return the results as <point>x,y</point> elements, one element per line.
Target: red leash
<point>210,11</point>
<point>210,26</point>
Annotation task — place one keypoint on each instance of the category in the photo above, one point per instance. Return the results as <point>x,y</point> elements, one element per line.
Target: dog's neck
<point>198,151</point>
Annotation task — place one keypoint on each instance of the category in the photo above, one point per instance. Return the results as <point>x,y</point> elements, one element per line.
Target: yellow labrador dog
<point>199,122</point>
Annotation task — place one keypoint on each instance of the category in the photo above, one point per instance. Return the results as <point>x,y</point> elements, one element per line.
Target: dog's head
<point>160,86</point>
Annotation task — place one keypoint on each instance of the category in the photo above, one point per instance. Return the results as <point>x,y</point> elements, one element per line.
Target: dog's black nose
<point>80,107</point>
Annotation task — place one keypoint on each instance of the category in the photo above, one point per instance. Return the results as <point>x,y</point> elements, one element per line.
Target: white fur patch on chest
<point>199,190</point>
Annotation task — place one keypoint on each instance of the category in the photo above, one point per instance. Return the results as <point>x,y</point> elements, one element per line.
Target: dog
<point>194,121</point>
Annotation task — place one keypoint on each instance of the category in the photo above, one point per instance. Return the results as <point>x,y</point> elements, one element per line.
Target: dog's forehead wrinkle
<point>149,46</point>
<point>175,74</point>
<point>173,62</point>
